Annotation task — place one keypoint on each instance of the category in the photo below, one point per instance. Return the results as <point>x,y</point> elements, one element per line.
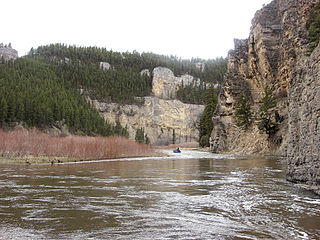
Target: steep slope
<point>33,95</point>
<point>304,122</point>
<point>274,56</point>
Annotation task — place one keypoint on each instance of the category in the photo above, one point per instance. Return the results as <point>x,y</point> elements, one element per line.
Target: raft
<point>176,151</point>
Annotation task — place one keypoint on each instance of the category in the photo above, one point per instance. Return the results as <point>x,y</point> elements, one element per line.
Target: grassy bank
<point>34,146</point>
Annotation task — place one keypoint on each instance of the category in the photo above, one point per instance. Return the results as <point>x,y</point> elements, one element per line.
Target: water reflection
<point>188,198</point>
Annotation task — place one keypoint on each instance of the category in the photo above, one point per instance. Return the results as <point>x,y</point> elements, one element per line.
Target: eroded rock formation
<point>165,84</point>
<point>274,55</point>
<point>7,52</point>
<point>158,117</point>
<point>162,117</point>
<point>304,122</point>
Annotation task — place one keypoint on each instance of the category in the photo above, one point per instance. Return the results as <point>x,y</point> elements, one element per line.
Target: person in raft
<point>177,150</point>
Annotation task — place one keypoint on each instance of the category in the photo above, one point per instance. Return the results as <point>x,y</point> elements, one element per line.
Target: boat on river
<point>177,150</point>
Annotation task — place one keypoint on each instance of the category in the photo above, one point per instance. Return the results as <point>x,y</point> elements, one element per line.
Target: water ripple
<point>176,197</point>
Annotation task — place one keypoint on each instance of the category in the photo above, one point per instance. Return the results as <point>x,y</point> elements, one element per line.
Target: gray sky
<point>185,28</point>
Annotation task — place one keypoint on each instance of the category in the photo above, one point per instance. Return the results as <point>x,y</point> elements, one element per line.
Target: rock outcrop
<point>7,52</point>
<point>165,84</point>
<point>162,117</point>
<point>105,65</point>
<point>274,55</point>
<point>304,123</point>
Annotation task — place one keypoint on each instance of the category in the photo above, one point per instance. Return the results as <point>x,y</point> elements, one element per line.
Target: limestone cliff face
<point>158,117</point>
<point>7,52</point>
<point>304,123</point>
<point>165,84</point>
<point>274,56</point>
<point>161,116</point>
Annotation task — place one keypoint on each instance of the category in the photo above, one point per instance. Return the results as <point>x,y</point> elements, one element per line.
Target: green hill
<point>44,87</point>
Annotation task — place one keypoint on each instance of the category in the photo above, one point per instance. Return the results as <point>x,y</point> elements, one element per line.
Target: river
<point>192,195</point>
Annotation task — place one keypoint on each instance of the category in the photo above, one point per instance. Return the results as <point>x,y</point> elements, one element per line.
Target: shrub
<point>313,26</point>
<point>141,137</point>
<point>20,143</point>
<point>204,141</point>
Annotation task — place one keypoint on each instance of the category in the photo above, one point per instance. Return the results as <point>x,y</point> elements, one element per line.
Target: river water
<point>193,195</point>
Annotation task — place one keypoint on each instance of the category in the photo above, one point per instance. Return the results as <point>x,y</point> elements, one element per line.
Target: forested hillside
<point>32,93</point>
<point>212,71</point>
<point>44,87</point>
<point>80,66</point>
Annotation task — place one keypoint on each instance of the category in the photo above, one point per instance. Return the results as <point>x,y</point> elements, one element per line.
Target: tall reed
<point>20,143</point>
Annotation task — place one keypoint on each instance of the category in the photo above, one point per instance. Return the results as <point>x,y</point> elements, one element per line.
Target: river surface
<point>193,195</point>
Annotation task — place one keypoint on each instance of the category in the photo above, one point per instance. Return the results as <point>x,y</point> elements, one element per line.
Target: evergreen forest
<point>51,84</point>
<point>33,94</point>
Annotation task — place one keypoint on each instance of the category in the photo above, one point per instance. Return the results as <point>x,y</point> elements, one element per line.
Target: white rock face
<point>105,65</point>
<point>8,53</point>
<point>165,84</point>
<point>158,117</point>
<point>201,66</point>
<point>145,72</point>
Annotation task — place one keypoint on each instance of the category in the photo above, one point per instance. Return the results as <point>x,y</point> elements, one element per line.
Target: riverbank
<point>28,160</point>
<point>34,146</point>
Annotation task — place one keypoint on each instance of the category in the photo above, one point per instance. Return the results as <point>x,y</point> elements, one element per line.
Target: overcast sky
<point>185,28</point>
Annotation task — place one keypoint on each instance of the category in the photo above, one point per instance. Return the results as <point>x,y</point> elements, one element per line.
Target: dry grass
<point>22,143</point>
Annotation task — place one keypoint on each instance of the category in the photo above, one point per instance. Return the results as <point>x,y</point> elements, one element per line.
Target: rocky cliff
<point>274,55</point>
<point>7,52</point>
<point>165,84</point>
<point>161,116</point>
<point>304,122</point>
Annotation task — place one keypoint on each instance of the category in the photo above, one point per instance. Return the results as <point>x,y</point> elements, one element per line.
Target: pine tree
<point>173,136</point>
<point>243,112</point>
<point>139,135</point>
<point>3,111</point>
<point>206,125</point>
<point>266,111</point>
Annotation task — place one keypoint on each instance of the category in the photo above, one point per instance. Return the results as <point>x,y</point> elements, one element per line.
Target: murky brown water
<point>189,196</point>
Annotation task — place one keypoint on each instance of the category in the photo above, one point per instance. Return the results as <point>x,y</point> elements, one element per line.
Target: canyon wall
<point>163,118</point>
<point>274,56</point>
<point>304,123</point>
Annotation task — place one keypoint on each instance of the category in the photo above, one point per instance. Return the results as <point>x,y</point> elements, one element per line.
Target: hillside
<point>117,77</point>
<point>52,84</point>
<point>31,93</point>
